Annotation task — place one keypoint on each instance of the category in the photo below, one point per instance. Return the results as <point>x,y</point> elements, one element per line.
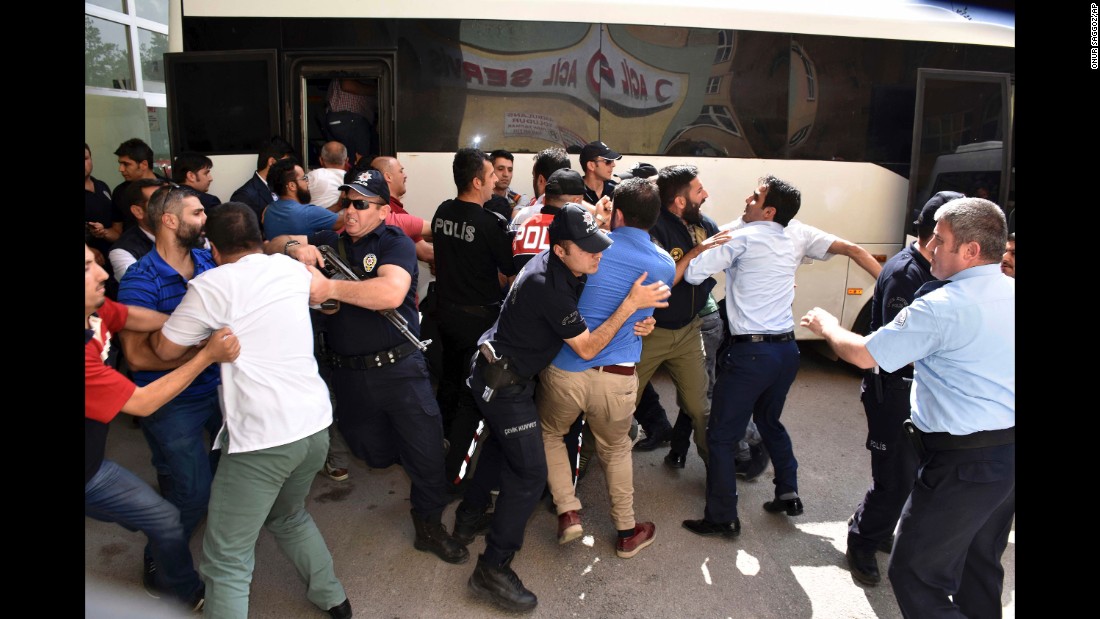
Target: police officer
<point>961,336</point>
<point>472,249</point>
<point>885,397</point>
<point>385,409</point>
<point>539,313</point>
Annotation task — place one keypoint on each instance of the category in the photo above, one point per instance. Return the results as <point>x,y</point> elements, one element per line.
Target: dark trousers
<point>513,460</point>
<point>893,461</point>
<point>953,530</point>
<point>458,335</point>
<point>753,381</point>
<point>387,416</point>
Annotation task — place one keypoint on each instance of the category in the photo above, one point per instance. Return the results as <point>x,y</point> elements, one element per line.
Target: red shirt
<point>105,389</point>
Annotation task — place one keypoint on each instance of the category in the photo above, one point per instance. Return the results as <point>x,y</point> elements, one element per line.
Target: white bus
<point>851,102</point>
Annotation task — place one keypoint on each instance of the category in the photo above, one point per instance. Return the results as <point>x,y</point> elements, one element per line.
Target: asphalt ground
<point>779,568</point>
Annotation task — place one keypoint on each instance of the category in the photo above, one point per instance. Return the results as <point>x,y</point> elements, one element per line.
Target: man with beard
<point>684,232</point>
<point>158,281</point>
<point>293,213</point>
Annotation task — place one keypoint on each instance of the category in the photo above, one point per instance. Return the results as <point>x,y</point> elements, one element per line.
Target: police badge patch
<point>899,320</point>
<point>369,262</point>
<point>676,253</point>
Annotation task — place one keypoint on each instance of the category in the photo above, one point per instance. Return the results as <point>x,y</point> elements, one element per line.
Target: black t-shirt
<point>538,315</point>
<point>501,206</point>
<point>471,245</point>
<point>687,300</point>
<point>608,190</point>
<point>357,330</point>
<point>100,208</point>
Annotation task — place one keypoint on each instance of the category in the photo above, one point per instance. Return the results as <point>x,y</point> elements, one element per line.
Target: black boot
<point>433,537</point>
<point>469,525</point>
<point>501,585</point>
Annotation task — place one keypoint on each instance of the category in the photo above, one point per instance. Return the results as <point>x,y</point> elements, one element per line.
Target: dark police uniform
<point>384,405</point>
<point>683,309</point>
<point>471,245</point>
<point>608,190</point>
<point>539,313</point>
<point>885,397</point>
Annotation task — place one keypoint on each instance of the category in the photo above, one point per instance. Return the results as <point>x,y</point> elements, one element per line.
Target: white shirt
<point>324,185</point>
<point>814,242</point>
<point>272,394</point>
<point>760,260</point>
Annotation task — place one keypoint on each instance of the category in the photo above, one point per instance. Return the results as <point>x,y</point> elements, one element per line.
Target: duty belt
<point>377,360</point>
<point>944,441</point>
<point>763,337</point>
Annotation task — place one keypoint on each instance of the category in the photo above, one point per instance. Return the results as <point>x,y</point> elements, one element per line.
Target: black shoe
<point>708,528</point>
<point>886,545</point>
<point>675,460</point>
<point>654,440</point>
<point>501,586</point>
<point>793,507</point>
<point>198,600</point>
<point>433,537</point>
<point>863,565</point>
<point>149,578</point>
<point>470,525</point>
<point>752,469</point>
<point>341,610</point>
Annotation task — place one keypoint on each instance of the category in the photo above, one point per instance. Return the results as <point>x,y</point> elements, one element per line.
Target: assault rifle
<point>335,268</point>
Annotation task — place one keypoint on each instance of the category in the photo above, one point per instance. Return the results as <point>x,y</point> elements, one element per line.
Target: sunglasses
<point>362,205</point>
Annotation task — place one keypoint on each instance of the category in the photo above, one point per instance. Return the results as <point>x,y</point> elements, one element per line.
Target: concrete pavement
<point>778,568</point>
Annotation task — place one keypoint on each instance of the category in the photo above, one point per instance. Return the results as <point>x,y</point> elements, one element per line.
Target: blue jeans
<point>178,431</point>
<point>114,494</point>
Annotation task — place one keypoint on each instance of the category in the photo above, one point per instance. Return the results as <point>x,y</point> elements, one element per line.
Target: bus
<point>853,104</point>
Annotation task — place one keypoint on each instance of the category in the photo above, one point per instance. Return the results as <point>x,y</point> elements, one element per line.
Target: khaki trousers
<point>680,351</point>
<point>607,401</point>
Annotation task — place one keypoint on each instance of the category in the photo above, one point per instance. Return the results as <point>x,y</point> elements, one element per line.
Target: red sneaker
<point>644,533</point>
<point>569,526</point>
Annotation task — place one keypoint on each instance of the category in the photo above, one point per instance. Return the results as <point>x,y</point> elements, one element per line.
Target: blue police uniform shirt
<point>760,260</point>
<point>962,341</point>
<point>608,190</point>
<point>355,330</point>
<point>677,239</point>
<point>901,277</point>
<point>290,217</point>
<point>631,253</point>
<point>539,313</point>
<point>153,283</point>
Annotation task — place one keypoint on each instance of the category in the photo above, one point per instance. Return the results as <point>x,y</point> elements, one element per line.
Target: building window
<point>108,62</point>
<point>714,84</point>
<point>725,46</point>
<point>124,46</point>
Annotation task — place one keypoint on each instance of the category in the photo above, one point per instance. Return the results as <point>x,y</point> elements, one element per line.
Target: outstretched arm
<point>847,345</point>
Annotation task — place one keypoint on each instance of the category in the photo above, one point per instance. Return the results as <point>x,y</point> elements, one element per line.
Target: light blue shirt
<point>631,254</point>
<point>962,341</point>
<point>760,260</point>
<point>290,217</point>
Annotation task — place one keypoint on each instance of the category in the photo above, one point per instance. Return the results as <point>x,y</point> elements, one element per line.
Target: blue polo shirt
<point>962,341</point>
<point>632,253</point>
<point>153,283</point>
<point>357,330</point>
<point>538,315</point>
<point>290,217</point>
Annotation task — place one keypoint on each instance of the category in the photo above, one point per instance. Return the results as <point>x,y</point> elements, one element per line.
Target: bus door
<point>346,97</point>
<point>962,138</point>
